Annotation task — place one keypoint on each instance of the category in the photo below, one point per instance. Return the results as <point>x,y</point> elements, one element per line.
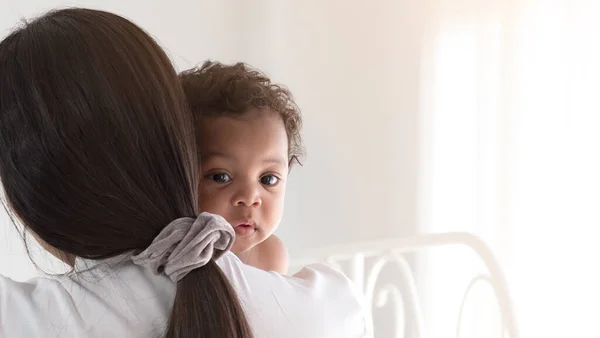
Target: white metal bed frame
<point>393,251</point>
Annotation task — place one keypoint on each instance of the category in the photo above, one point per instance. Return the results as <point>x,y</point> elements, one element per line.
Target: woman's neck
<point>66,258</point>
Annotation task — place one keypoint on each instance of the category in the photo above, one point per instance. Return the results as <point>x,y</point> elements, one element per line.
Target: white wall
<point>354,70</point>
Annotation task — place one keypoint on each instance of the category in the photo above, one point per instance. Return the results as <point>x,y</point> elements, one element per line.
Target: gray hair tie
<point>187,244</point>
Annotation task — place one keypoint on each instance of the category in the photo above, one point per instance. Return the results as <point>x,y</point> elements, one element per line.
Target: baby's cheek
<point>279,206</point>
<point>209,203</point>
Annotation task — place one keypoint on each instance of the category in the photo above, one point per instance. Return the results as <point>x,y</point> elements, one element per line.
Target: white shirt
<point>126,300</point>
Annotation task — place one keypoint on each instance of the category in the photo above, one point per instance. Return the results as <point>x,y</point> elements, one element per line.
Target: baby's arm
<point>270,255</point>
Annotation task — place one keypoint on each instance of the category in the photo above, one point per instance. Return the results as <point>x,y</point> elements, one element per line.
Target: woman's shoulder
<point>28,304</point>
<point>17,293</point>
<point>102,301</point>
<point>318,301</point>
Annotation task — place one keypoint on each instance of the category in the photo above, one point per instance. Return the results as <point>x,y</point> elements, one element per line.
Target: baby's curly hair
<point>215,89</point>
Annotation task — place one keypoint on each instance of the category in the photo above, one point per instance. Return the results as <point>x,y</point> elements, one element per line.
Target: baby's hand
<point>270,255</point>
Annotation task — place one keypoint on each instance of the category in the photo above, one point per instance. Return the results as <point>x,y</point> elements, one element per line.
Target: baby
<point>248,139</point>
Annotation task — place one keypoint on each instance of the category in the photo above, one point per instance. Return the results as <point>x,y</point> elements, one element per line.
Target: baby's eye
<point>220,178</point>
<point>269,180</point>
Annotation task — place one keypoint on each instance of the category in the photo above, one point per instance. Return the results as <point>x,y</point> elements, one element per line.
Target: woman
<point>97,161</point>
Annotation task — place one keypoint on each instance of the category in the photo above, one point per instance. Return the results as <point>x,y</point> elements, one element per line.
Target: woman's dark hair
<point>98,153</point>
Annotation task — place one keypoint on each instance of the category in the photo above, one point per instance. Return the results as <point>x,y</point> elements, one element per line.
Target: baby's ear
<point>292,162</point>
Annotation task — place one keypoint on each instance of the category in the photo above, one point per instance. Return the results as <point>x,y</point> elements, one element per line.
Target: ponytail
<point>206,306</point>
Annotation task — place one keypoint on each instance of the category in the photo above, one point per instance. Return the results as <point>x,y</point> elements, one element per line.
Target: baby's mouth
<point>245,229</point>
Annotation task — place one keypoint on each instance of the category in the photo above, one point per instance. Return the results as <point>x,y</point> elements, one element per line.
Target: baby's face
<point>244,163</point>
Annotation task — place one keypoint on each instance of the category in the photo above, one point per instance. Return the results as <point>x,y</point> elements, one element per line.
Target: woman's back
<point>120,299</point>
